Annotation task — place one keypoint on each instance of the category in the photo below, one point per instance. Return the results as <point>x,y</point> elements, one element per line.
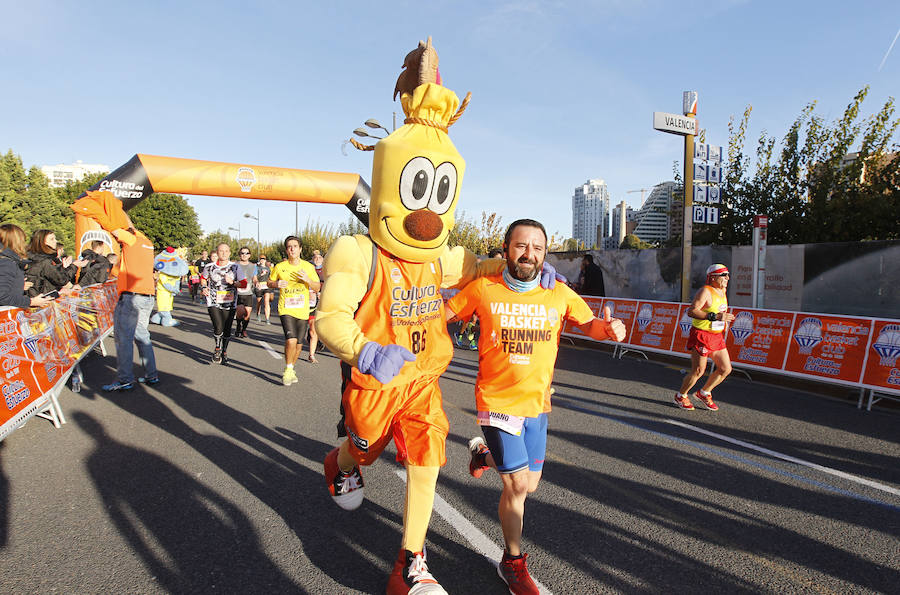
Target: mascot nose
<point>423,225</point>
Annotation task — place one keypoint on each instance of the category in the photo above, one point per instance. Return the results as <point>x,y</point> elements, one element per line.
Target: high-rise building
<point>655,217</point>
<point>62,174</point>
<point>623,223</point>
<point>590,213</point>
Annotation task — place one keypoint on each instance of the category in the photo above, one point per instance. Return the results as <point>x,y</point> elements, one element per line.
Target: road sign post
<point>758,284</point>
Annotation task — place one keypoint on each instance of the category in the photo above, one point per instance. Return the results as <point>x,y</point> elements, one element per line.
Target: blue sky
<point>562,91</point>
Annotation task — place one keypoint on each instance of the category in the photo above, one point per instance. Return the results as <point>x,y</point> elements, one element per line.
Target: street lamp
<point>249,216</point>
<point>363,133</point>
<point>238,230</point>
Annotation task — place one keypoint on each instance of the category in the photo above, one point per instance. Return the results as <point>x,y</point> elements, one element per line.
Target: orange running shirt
<point>404,307</point>
<point>519,341</point>
<point>136,266</point>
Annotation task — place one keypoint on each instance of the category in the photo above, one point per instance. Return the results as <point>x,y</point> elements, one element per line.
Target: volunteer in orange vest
<point>520,327</point>
<point>131,318</point>
<point>709,325</point>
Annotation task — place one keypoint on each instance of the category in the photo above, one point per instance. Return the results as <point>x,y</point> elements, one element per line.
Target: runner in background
<point>294,279</point>
<point>245,294</point>
<point>193,280</point>
<point>319,263</point>
<point>263,293</point>
<point>220,280</point>
<point>709,325</point>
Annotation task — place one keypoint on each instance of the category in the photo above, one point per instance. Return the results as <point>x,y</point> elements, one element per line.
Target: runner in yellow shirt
<point>294,278</point>
<point>520,327</point>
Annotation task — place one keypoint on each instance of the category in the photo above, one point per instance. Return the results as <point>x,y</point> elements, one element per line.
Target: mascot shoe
<point>346,487</point>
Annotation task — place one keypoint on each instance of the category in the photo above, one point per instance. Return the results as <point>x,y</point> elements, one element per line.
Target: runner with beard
<point>520,327</point>
<point>220,280</point>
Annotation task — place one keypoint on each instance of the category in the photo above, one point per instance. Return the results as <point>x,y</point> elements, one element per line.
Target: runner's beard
<point>522,273</point>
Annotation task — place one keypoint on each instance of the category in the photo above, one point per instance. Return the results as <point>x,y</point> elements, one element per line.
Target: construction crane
<point>641,190</point>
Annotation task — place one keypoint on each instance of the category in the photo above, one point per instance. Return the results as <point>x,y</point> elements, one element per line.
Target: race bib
<point>295,301</point>
<point>224,296</point>
<point>511,424</point>
<point>195,278</point>
<point>719,325</point>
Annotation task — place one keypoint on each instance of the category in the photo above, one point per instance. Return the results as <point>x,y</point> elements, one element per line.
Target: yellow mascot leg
<point>420,485</point>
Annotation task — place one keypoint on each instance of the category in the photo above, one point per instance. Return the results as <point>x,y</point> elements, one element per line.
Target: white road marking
<point>481,542</point>
<point>268,348</point>
<point>778,455</point>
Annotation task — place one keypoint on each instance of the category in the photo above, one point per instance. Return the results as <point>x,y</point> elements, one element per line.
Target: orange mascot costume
<point>381,311</point>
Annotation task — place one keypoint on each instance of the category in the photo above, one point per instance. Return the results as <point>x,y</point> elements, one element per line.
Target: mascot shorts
<point>411,414</point>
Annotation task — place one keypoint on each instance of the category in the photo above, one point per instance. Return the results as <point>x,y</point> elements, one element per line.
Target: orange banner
<point>683,331</point>
<point>827,346</point>
<point>882,366</point>
<point>759,337</point>
<point>595,304</point>
<point>655,325</point>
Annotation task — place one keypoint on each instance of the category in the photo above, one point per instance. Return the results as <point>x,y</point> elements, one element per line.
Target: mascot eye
<point>415,183</point>
<point>444,188</point>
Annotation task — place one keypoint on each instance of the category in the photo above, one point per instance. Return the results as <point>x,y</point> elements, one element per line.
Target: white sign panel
<point>714,153</point>
<point>713,194</point>
<point>700,172</point>
<point>699,214</point>
<point>714,174</point>
<point>708,215</point>
<point>674,123</point>
<point>699,193</point>
<point>689,102</point>
<point>701,151</point>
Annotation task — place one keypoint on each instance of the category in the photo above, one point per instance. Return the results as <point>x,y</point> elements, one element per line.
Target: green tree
<point>167,219</point>
<point>813,189</point>
<point>632,242</point>
<point>27,200</point>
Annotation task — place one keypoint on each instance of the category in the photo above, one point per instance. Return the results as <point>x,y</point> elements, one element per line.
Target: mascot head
<point>169,263</point>
<point>417,172</point>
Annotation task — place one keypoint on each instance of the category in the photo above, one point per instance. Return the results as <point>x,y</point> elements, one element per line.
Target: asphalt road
<point>211,481</point>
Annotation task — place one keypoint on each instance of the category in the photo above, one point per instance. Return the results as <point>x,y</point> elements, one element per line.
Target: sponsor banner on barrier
<point>595,304</point>
<point>22,379</point>
<point>655,325</point>
<point>827,346</point>
<point>759,337</point>
<point>682,329</point>
<point>38,347</point>
<point>883,363</point>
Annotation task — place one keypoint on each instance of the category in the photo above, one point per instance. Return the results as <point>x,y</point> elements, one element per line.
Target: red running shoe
<point>478,450</point>
<point>514,573</point>
<point>707,401</point>
<point>683,402</point>
<point>346,487</point>
<point>411,576</point>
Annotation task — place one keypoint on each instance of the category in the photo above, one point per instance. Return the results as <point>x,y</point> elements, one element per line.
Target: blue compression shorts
<point>514,453</point>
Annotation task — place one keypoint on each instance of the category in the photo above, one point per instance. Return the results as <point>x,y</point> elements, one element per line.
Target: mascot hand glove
<point>549,276</point>
<point>383,361</point>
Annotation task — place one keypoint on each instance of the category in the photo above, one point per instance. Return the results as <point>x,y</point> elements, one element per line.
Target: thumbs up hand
<point>614,327</point>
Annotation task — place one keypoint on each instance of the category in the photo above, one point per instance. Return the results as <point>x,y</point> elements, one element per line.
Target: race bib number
<point>224,297</point>
<point>195,278</point>
<point>295,301</point>
<point>511,424</point>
